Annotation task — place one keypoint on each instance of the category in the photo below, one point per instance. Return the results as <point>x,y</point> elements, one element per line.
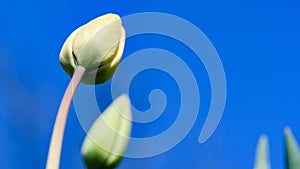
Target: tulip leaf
<point>292,150</point>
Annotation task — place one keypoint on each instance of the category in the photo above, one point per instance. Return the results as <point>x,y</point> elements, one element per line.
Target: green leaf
<point>262,154</point>
<point>292,150</point>
<point>108,137</point>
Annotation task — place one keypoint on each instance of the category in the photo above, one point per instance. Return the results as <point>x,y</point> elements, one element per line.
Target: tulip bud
<point>262,154</point>
<point>97,46</point>
<point>108,137</point>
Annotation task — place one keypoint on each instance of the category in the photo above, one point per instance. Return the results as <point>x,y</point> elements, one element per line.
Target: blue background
<point>258,43</point>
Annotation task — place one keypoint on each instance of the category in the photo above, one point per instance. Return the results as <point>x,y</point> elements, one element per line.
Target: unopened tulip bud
<point>262,154</point>
<point>108,137</point>
<point>97,46</point>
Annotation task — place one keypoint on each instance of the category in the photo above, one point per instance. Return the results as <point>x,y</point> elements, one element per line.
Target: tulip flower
<point>97,46</point>
<point>90,55</point>
<point>107,139</point>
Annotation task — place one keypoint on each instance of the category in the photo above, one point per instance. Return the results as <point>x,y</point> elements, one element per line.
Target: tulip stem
<point>60,122</point>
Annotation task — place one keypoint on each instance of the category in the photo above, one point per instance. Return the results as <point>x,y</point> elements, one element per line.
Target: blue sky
<point>258,44</point>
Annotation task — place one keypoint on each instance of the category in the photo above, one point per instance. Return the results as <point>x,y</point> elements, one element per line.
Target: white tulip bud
<point>97,46</point>
<point>108,137</point>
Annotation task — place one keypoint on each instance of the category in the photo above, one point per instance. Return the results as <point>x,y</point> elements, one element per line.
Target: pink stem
<point>60,123</point>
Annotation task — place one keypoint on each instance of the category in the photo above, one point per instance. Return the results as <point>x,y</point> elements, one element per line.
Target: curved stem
<point>60,123</point>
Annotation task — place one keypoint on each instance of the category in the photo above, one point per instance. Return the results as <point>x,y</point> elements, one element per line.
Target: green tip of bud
<point>262,154</point>
<point>292,150</point>
<point>108,137</point>
<point>97,46</point>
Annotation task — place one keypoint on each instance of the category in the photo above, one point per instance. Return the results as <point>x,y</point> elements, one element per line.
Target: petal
<point>119,54</point>
<point>105,72</point>
<point>98,40</point>
<point>66,56</point>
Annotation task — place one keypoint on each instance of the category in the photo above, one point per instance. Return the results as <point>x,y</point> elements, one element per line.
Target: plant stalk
<point>54,153</point>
